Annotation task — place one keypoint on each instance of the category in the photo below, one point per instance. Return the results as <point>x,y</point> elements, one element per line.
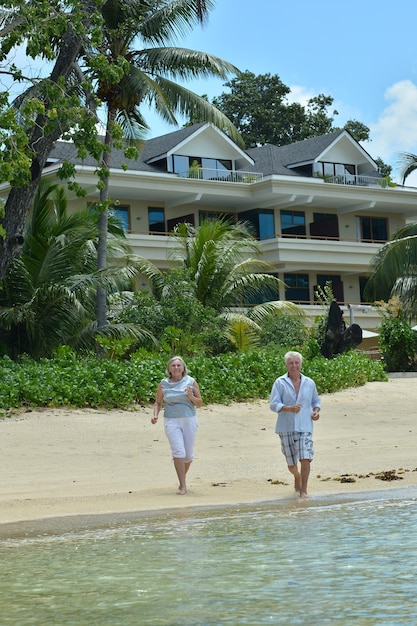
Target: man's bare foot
<point>303,494</point>
<point>181,491</point>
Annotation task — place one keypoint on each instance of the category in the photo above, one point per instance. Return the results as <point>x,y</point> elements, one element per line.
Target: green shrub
<point>398,344</point>
<point>283,330</point>
<point>71,380</point>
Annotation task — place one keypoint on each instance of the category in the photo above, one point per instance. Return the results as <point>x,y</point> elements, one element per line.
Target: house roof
<point>268,159</point>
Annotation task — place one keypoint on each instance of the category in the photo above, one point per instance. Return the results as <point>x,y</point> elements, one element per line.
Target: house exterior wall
<point>345,256</point>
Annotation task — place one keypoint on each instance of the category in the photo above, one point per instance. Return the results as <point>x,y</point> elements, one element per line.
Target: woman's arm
<point>194,395</point>
<point>159,400</point>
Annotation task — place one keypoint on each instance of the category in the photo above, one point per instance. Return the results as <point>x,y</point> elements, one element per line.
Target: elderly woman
<point>180,395</point>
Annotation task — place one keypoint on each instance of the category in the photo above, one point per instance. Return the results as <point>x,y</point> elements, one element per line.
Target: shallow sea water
<point>324,561</point>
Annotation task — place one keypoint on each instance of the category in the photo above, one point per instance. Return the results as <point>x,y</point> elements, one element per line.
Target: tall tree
<point>395,265</point>
<point>259,108</point>
<point>395,271</point>
<point>62,32</point>
<point>408,165</point>
<point>47,294</point>
<point>50,31</point>
<point>127,76</point>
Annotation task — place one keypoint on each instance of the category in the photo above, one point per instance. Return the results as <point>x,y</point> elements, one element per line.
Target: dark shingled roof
<point>268,159</point>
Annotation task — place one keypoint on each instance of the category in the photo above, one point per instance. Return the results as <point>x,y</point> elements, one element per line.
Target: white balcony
<point>227,176</point>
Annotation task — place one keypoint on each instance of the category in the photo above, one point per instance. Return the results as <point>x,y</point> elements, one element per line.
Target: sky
<point>362,53</point>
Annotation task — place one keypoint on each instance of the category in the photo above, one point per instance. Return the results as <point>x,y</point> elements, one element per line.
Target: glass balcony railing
<point>233,176</point>
<point>360,181</point>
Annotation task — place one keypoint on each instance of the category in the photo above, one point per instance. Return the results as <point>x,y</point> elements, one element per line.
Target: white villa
<point>319,207</point>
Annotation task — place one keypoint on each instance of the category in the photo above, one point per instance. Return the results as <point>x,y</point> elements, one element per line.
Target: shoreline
<point>78,523</point>
<point>66,467</point>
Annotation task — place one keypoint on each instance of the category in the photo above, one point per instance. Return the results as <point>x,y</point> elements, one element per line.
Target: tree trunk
<point>101,297</point>
<point>20,199</point>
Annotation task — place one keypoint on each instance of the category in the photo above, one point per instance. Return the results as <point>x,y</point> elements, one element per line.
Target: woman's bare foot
<point>303,494</point>
<point>181,491</point>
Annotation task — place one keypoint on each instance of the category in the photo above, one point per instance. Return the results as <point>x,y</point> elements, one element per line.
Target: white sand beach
<point>70,462</point>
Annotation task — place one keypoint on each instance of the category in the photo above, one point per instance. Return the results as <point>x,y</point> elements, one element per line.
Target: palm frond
<point>173,19</point>
<point>408,164</point>
<point>259,312</point>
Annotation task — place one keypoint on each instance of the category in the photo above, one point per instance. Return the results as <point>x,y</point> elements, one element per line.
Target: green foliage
<point>283,330</point>
<point>398,344</point>
<point>258,107</point>
<point>114,348</point>
<point>70,380</point>
<point>47,296</point>
<point>395,271</point>
<point>178,321</point>
<point>324,297</point>
<point>397,341</point>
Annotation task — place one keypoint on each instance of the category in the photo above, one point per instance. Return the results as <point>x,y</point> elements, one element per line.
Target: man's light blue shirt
<point>284,394</point>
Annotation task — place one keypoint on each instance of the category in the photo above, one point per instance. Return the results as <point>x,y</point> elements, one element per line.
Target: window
<point>293,223</point>
<point>297,287</point>
<point>203,167</point>
<point>156,218</point>
<point>262,222</point>
<point>216,215</point>
<point>374,229</point>
<point>337,285</point>
<point>324,225</point>
<point>121,213</point>
<point>362,284</point>
<point>347,170</point>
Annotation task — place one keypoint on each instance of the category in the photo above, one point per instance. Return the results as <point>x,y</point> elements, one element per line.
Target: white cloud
<point>396,129</point>
<point>300,94</point>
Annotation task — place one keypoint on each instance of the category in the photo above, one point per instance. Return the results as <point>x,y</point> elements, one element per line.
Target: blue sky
<point>362,53</point>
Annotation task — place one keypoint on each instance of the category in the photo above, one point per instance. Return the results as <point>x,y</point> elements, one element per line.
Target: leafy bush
<point>180,322</point>
<point>397,340</point>
<point>398,344</point>
<point>70,380</point>
<point>283,330</point>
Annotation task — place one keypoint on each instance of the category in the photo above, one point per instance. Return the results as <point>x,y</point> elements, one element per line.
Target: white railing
<point>234,176</point>
<point>360,181</point>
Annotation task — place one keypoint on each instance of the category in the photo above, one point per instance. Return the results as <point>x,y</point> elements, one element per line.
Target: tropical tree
<point>395,271</point>
<point>127,76</point>
<point>394,267</point>
<point>55,34</point>
<point>220,266</point>
<point>408,165</point>
<point>64,104</point>
<point>47,295</point>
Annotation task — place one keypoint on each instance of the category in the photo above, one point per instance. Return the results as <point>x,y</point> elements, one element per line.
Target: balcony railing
<point>229,176</point>
<point>360,181</point>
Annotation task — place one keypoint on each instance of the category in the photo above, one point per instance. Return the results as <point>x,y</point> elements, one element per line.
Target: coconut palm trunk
<point>101,303</point>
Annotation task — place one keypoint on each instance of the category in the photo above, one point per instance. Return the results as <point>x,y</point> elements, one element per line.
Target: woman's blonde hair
<point>176,358</point>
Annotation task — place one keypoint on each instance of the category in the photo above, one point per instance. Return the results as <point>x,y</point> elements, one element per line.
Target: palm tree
<point>408,164</point>
<point>136,76</point>
<point>395,265</point>
<point>217,259</point>
<point>220,259</point>
<point>395,271</point>
<point>47,295</point>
